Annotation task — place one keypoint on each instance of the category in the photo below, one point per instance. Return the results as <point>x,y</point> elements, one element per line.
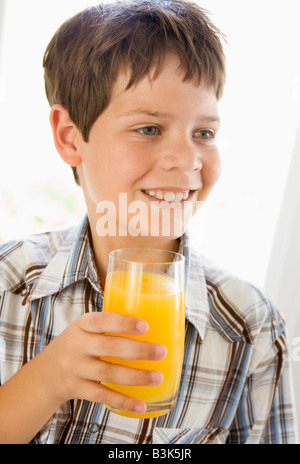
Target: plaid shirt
<point>235,385</point>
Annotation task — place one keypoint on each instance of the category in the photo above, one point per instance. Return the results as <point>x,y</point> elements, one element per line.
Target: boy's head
<point>89,51</point>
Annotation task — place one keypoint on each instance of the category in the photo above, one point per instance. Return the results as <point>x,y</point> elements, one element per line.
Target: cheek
<point>113,170</point>
<point>212,170</point>
<point>216,170</point>
<point>133,165</point>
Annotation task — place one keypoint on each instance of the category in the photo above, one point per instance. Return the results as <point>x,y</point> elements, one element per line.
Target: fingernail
<point>142,326</point>
<point>156,378</point>
<point>140,408</point>
<point>161,352</point>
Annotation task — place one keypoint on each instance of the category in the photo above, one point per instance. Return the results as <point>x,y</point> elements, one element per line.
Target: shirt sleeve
<point>281,425</point>
<point>266,412</point>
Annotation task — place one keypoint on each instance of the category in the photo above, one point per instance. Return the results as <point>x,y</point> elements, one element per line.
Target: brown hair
<point>87,53</point>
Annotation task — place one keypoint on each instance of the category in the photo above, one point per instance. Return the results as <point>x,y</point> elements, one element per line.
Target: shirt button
<point>94,427</point>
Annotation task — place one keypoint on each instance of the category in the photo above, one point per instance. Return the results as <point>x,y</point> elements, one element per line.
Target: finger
<point>122,375</point>
<point>112,323</point>
<point>98,393</point>
<point>124,347</point>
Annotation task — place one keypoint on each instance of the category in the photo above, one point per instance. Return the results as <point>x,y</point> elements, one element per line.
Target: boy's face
<point>154,142</point>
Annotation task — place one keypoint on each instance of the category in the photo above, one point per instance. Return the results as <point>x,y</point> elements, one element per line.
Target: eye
<point>208,135</point>
<point>149,130</point>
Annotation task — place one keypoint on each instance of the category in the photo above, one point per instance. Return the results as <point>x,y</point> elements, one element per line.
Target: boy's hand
<point>73,367</point>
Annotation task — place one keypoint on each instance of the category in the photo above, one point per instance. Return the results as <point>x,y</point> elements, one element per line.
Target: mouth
<point>168,195</point>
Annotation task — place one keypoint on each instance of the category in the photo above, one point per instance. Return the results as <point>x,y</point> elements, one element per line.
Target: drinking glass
<point>149,284</point>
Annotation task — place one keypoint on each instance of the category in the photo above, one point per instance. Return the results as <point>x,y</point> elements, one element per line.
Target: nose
<point>181,154</point>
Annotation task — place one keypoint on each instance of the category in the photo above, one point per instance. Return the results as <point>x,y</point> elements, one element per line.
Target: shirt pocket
<point>186,436</point>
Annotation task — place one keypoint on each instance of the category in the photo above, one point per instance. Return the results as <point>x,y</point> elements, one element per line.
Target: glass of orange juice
<point>149,284</point>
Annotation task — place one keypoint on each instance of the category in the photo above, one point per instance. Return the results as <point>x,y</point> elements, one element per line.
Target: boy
<point>134,90</point>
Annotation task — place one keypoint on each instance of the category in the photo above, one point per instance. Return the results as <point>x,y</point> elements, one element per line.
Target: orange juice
<point>154,298</point>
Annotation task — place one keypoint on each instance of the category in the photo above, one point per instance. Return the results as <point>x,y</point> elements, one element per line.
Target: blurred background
<point>251,223</point>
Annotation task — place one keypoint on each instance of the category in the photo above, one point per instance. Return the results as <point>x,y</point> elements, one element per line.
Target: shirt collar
<point>74,261</point>
<point>196,296</point>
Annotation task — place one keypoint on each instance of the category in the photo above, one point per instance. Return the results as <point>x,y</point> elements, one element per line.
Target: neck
<point>102,246</point>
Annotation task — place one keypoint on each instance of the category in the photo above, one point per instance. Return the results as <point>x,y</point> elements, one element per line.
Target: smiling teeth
<point>168,196</point>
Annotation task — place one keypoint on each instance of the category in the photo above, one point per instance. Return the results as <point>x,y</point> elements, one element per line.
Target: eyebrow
<point>146,113</point>
<point>159,114</point>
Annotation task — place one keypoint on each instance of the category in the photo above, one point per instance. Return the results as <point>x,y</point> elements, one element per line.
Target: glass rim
<point>178,256</point>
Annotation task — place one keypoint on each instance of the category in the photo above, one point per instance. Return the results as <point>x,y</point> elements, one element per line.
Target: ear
<point>65,134</point>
